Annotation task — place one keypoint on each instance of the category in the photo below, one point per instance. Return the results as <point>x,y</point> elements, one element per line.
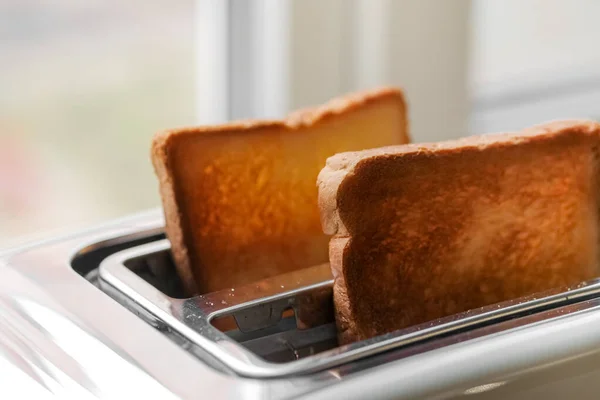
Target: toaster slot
<point>279,319</point>
<point>87,260</point>
<point>284,325</point>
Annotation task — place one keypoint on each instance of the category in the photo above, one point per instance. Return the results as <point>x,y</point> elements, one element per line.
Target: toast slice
<point>240,200</point>
<point>426,231</point>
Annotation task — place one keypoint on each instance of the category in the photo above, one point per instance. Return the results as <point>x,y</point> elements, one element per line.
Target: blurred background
<point>85,85</point>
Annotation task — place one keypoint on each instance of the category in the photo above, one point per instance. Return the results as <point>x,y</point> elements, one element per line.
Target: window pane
<point>83,87</point>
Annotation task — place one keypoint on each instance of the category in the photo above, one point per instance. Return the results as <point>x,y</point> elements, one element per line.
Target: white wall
<point>534,39</point>
<point>534,61</point>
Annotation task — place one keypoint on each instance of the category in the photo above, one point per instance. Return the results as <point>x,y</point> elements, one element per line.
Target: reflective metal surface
<point>69,337</point>
<point>60,335</point>
<point>192,317</point>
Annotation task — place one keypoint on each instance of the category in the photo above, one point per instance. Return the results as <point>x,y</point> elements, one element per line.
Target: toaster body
<point>101,314</point>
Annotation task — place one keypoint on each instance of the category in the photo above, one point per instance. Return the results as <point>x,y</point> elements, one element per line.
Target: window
<point>84,86</point>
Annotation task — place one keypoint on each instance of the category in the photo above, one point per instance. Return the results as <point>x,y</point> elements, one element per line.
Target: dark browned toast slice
<point>426,231</point>
<point>240,200</point>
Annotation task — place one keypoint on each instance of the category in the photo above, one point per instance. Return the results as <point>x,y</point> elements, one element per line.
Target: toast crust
<point>426,231</point>
<point>227,191</point>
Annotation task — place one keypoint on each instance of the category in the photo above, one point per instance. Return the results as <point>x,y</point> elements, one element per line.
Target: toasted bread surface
<point>426,231</point>
<point>240,200</point>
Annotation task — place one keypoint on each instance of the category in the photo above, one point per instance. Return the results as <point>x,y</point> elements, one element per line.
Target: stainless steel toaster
<point>100,314</point>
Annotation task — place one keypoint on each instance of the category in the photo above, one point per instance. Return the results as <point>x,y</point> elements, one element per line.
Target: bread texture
<point>426,231</point>
<point>240,200</point>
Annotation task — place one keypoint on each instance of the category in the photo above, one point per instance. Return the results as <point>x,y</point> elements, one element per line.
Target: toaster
<point>100,314</point>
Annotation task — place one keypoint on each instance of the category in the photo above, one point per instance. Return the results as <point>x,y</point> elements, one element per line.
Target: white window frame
<point>272,56</point>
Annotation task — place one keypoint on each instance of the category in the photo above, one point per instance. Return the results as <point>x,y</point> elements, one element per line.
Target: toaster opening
<point>158,269</point>
<point>284,325</point>
<point>280,319</point>
<point>87,260</point>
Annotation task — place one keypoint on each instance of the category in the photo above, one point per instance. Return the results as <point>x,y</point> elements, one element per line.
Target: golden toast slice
<point>240,200</point>
<point>426,231</point>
